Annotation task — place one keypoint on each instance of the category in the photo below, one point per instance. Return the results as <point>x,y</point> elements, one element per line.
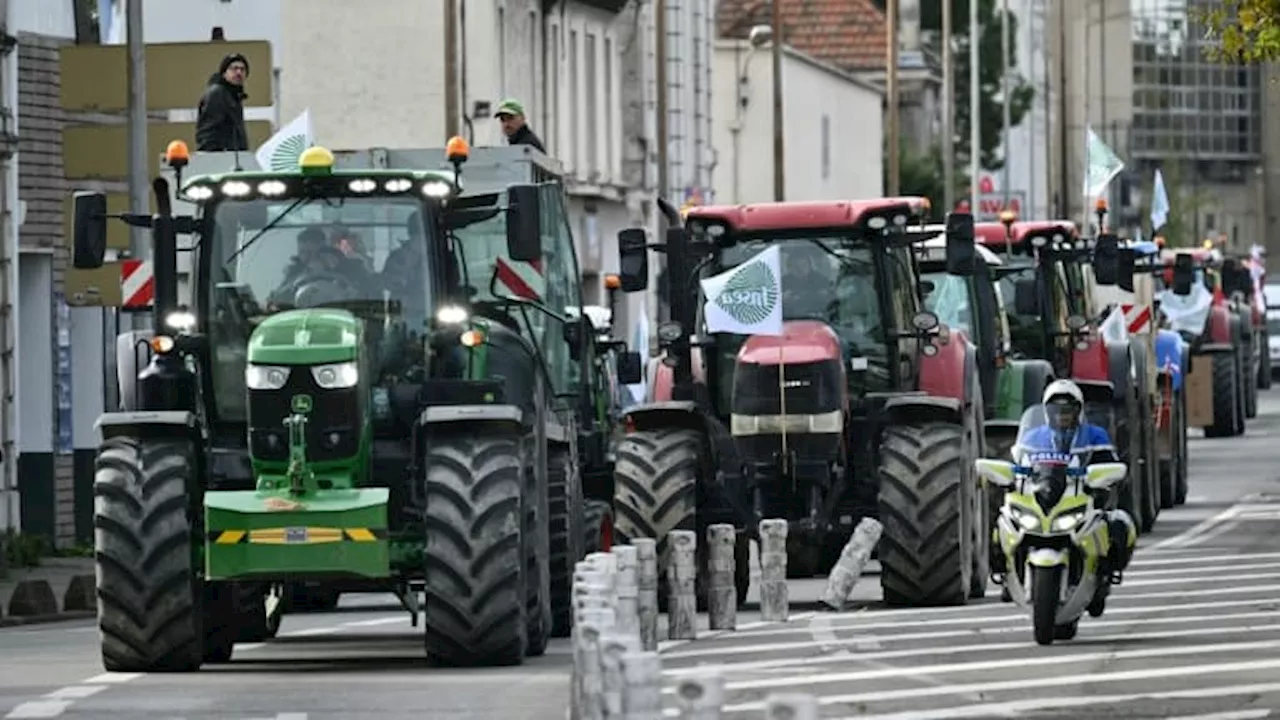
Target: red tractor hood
<point>802,341</point>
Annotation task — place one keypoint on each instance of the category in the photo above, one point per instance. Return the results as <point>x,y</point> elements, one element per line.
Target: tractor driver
<point>1066,430</point>
<point>307,261</point>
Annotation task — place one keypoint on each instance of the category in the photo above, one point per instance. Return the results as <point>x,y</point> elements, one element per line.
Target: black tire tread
<point>656,476</point>
<point>475,612</point>
<point>922,556</point>
<point>564,490</point>
<point>149,610</point>
<point>1225,396</point>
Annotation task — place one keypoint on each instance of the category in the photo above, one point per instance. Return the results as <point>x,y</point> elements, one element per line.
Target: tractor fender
<point>666,413</point>
<point>1169,357</point>
<point>163,423</point>
<point>512,417</point>
<point>1091,360</point>
<point>131,358</point>
<point>1219,325</point>
<point>661,377</point>
<point>947,373</point>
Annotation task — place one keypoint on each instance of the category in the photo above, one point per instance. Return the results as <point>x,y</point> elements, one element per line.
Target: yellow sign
<point>95,78</point>
<point>99,287</point>
<point>101,152</point>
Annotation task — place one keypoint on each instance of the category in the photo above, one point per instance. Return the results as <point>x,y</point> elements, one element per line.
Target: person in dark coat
<point>220,123</point>
<point>511,114</point>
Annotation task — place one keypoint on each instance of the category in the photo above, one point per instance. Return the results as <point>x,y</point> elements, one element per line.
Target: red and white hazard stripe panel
<point>137,284</point>
<point>1137,318</point>
<point>520,279</point>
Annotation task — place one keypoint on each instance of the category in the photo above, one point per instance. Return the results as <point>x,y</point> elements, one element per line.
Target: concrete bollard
<point>614,645</point>
<point>642,686</point>
<point>588,683</point>
<point>647,591</point>
<point>33,598</point>
<point>627,591</point>
<point>774,599</point>
<point>81,594</point>
<point>682,580</point>
<point>791,706</point>
<point>700,697</point>
<point>722,593</point>
<point>853,558</point>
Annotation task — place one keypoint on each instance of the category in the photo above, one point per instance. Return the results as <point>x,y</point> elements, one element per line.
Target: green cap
<point>509,106</point>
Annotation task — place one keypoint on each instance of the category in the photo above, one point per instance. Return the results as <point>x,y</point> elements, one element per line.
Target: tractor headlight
<point>266,377</point>
<point>436,189</point>
<point>337,376</point>
<point>181,320</point>
<point>1068,521</point>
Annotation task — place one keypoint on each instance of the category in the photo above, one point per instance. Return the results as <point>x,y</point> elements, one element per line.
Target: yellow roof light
<point>316,159</point>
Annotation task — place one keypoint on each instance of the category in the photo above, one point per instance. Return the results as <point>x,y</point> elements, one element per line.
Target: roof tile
<point>849,34</point>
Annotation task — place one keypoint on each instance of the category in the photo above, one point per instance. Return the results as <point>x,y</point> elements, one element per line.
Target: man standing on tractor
<point>1066,431</point>
<point>511,115</point>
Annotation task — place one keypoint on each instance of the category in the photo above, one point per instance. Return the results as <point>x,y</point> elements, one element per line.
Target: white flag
<point>281,151</point>
<point>1114,328</point>
<point>1159,203</point>
<point>1101,165</point>
<point>746,300</point>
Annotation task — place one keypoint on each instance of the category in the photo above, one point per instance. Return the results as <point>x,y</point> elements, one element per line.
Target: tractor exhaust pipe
<point>164,256</point>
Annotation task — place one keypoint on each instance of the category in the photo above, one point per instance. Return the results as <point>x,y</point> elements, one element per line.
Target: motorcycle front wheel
<point>1044,602</point>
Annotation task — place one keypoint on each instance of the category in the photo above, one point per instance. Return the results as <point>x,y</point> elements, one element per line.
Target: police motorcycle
<point>1055,528</point>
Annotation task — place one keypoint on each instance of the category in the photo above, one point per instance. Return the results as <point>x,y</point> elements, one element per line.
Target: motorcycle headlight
<point>266,377</point>
<point>1025,518</point>
<point>1068,521</point>
<point>337,376</point>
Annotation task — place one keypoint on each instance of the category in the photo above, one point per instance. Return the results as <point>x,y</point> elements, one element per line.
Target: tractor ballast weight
<point>1194,305</point>
<point>865,437</point>
<point>1060,320</point>
<point>315,435</point>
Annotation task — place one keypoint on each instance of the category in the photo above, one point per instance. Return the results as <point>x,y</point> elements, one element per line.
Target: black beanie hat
<point>226,63</point>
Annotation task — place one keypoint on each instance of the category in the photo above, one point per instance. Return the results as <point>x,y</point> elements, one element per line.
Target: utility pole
<point>779,156</point>
<point>1085,210</point>
<point>660,82</point>
<point>451,110</point>
<point>139,173</point>
<point>975,108</point>
<point>891,86</point>
<point>948,112</point>
<point>1004,92</point>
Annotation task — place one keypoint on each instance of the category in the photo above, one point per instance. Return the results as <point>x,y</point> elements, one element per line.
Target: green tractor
<point>387,418</point>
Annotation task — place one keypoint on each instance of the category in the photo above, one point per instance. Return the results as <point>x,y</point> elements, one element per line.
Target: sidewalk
<point>62,588</point>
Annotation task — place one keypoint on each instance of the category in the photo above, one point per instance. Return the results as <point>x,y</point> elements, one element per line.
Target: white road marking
<point>1141,562</point>
<point>1026,684</point>
<point>75,692</point>
<point>1019,707</point>
<point>378,621</point>
<point>1183,538</point>
<point>111,678</point>
<point>1236,715</point>
<point>1001,664</point>
<point>38,709</point>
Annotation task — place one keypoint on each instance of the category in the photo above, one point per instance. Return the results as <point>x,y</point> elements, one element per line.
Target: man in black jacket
<point>220,123</point>
<point>511,114</point>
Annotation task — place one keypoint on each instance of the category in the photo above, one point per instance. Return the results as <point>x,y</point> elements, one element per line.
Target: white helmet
<point>1058,388</point>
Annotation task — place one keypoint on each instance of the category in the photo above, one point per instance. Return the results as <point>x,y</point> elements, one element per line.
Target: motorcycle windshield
<point>1040,441</point>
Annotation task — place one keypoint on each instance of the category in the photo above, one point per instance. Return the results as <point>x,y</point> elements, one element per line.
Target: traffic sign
<point>100,152</point>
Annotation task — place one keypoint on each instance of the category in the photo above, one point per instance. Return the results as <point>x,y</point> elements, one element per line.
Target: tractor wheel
<point>564,488</point>
<point>925,505</point>
<point>476,557</point>
<point>656,479</point>
<point>261,610</point>
<point>150,597</point>
<point>597,527</point>
<point>1248,379</point>
<point>1226,396</point>
<point>1264,363</point>
<point>536,546</point>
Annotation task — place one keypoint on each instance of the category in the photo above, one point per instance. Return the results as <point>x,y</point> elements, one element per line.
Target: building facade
<point>832,123</point>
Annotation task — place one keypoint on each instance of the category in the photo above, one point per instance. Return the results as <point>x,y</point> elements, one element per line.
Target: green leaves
<point>1248,30</point>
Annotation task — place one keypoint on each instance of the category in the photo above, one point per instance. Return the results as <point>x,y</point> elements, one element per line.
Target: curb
<point>20,620</point>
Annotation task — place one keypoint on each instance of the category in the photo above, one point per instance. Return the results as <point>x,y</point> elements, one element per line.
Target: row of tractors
<point>830,422</point>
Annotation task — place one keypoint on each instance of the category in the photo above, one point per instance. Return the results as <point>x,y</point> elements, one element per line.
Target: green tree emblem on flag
<point>285,155</point>
<point>751,295</point>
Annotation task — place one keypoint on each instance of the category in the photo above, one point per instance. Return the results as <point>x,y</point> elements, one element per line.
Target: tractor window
<point>1025,332</point>
<point>950,300</point>
<point>564,285</point>
<point>363,254</point>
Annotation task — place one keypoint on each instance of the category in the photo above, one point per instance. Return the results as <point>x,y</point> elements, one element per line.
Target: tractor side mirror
<point>89,229</point>
<point>927,287</point>
<point>1184,274</point>
<point>633,259</point>
<point>961,251</point>
<point>574,333</point>
<point>630,368</point>
<point>1106,260</point>
<point>1026,301</point>
<point>524,223</point>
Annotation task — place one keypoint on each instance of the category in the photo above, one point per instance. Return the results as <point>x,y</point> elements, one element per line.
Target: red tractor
<point>865,406</point>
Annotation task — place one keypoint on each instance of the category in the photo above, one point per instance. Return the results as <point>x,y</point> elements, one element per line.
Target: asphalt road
<point>1193,632</point>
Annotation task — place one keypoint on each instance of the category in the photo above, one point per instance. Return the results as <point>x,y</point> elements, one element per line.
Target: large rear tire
<point>476,569</point>
<point>1226,396</point>
<point>1184,458</point>
<point>656,481</point>
<point>925,505</point>
<point>149,594</point>
<point>564,488</point>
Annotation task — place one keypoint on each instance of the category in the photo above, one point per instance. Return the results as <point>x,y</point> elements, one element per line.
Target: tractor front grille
<point>333,425</point>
